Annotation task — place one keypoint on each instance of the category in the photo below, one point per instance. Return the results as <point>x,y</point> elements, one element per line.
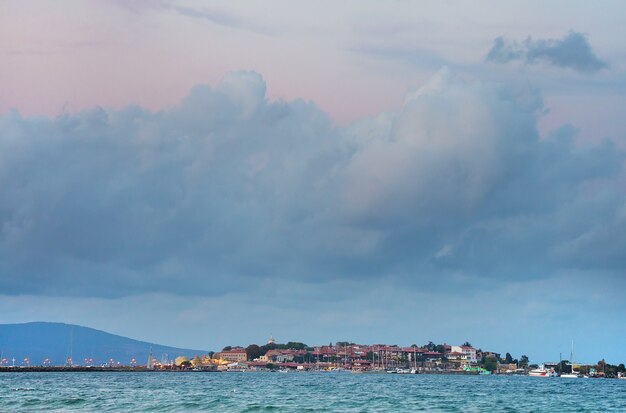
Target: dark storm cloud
<point>228,190</point>
<point>572,51</point>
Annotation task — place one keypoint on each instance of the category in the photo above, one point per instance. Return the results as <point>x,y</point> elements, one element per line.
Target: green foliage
<point>295,345</point>
<point>609,370</point>
<point>490,364</point>
<point>523,362</point>
<point>227,348</point>
<point>253,351</point>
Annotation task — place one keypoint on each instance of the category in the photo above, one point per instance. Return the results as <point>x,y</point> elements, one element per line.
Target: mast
<point>69,355</point>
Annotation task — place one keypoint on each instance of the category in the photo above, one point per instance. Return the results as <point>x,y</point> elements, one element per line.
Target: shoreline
<point>42,369</point>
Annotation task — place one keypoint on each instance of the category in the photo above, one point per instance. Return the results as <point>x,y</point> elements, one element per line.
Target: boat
<point>541,371</point>
<point>573,374</point>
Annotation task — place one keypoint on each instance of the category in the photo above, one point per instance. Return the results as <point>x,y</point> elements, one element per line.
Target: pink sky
<point>353,60</point>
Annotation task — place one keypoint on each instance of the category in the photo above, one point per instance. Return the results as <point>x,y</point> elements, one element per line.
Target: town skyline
<point>64,337</point>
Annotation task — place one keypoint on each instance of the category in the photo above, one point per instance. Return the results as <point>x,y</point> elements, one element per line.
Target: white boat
<point>542,372</point>
<point>573,374</point>
<point>403,371</point>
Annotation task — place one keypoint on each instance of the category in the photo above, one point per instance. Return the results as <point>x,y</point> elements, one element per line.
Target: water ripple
<point>306,392</point>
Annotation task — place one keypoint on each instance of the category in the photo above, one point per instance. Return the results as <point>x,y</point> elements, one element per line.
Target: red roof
<point>233,351</point>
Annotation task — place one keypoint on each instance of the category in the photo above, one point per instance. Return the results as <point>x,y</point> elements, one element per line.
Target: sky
<point>202,174</point>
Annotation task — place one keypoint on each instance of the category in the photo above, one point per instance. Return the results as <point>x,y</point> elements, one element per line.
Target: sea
<point>302,392</point>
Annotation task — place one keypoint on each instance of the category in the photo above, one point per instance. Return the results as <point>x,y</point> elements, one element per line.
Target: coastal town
<point>351,357</point>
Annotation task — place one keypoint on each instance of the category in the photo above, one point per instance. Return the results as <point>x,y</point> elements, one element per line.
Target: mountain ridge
<point>40,340</point>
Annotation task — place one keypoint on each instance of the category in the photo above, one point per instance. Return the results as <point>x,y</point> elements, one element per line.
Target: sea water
<point>302,392</point>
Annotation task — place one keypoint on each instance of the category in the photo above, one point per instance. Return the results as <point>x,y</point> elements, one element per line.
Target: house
<point>469,354</point>
<point>235,354</point>
<point>463,353</point>
<point>278,356</point>
<point>488,354</point>
<point>432,355</point>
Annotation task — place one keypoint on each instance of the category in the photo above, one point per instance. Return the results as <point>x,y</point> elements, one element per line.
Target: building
<point>464,353</point>
<point>278,356</point>
<point>236,354</point>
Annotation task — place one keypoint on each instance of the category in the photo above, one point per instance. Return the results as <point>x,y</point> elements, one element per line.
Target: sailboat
<point>572,374</point>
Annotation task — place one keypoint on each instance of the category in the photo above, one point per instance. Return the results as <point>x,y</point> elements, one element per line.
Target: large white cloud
<point>228,190</point>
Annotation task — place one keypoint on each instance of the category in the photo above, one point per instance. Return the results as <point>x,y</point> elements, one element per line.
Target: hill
<point>56,341</point>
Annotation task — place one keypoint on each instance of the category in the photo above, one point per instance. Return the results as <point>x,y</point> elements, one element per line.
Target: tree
<point>523,362</point>
<point>491,364</point>
<point>296,345</point>
<point>508,359</point>
<point>253,351</point>
<point>227,348</point>
<point>467,344</point>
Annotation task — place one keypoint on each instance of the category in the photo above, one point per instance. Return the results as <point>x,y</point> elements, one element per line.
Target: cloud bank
<point>228,191</point>
<point>573,51</point>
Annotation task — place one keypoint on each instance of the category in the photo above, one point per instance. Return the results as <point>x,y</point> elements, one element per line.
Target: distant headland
<point>42,346</point>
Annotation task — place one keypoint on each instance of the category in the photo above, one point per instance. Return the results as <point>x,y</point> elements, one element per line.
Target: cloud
<point>415,57</point>
<point>573,51</point>
<point>213,15</point>
<point>229,191</point>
